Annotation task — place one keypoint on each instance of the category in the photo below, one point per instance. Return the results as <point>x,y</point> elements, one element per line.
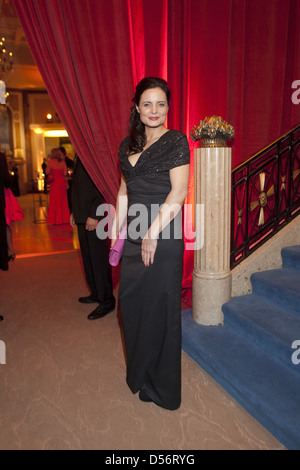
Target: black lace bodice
<point>169,151</point>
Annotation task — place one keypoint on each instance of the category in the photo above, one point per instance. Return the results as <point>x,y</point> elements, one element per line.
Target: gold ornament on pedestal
<point>213,131</point>
<point>211,282</point>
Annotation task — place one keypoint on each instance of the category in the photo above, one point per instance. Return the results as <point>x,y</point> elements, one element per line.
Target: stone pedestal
<point>211,285</point>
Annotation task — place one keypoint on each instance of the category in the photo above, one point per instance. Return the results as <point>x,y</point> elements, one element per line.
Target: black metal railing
<point>265,195</point>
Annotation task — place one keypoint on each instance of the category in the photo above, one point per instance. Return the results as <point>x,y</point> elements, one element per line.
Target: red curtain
<point>233,58</point>
<point>82,50</point>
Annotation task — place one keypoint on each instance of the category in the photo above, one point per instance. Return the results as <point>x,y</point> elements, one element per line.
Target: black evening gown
<point>150,297</point>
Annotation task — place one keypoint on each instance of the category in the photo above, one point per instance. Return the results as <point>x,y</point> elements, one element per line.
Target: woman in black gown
<point>154,183</point>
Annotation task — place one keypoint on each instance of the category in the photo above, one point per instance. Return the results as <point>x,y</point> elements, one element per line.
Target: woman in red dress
<point>58,210</point>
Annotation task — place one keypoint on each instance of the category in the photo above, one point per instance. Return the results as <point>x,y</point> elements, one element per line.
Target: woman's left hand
<point>148,250</point>
<point>91,224</point>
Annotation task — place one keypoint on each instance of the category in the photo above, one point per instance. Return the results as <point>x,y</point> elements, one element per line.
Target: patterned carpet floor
<point>63,385</point>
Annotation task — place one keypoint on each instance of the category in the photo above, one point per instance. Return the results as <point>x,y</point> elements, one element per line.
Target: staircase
<point>255,355</point>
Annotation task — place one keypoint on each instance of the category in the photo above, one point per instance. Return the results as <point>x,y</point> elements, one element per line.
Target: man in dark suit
<point>94,251</point>
<point>5,180</point>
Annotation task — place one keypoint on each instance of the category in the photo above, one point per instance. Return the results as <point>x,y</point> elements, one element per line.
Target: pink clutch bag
<point>116,251</point>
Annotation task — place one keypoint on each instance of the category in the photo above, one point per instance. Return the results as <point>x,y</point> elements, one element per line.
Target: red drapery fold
<point>137,39</point>
<point>233,58</point>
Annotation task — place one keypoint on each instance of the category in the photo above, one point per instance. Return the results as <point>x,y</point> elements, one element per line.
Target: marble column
<point>211,276</point>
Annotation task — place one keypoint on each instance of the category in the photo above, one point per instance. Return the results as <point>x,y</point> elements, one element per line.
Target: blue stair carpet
<point>250,356</point>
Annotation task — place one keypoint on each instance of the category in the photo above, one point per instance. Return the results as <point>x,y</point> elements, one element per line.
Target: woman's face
<point>153,107</point>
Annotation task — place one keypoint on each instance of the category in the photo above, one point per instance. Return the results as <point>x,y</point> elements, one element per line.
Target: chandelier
<point>6,61</point>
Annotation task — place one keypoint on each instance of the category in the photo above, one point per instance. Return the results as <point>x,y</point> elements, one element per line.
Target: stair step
<point>252,356</point>
<point>271,328</point>
<point>279,286</point>
<point>265,388</point>
<point>291,257</point>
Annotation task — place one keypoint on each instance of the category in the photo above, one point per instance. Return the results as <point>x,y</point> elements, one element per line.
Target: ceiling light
<point>57,133</point>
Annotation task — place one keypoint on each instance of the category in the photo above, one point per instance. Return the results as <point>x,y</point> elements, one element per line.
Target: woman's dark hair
<point>137,138</point>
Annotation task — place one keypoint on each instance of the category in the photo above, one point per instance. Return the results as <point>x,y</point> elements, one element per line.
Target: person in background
<point>58,210</point>
<point>5,181</point>
<point>15,188</point>
<point>155,175</point>
<point>44,168</point>
<point>94,251</point>
<point>70,164</point>
<point>13,213</point>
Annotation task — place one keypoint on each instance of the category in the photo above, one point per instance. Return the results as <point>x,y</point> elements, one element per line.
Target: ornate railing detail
<point>265,195</point>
